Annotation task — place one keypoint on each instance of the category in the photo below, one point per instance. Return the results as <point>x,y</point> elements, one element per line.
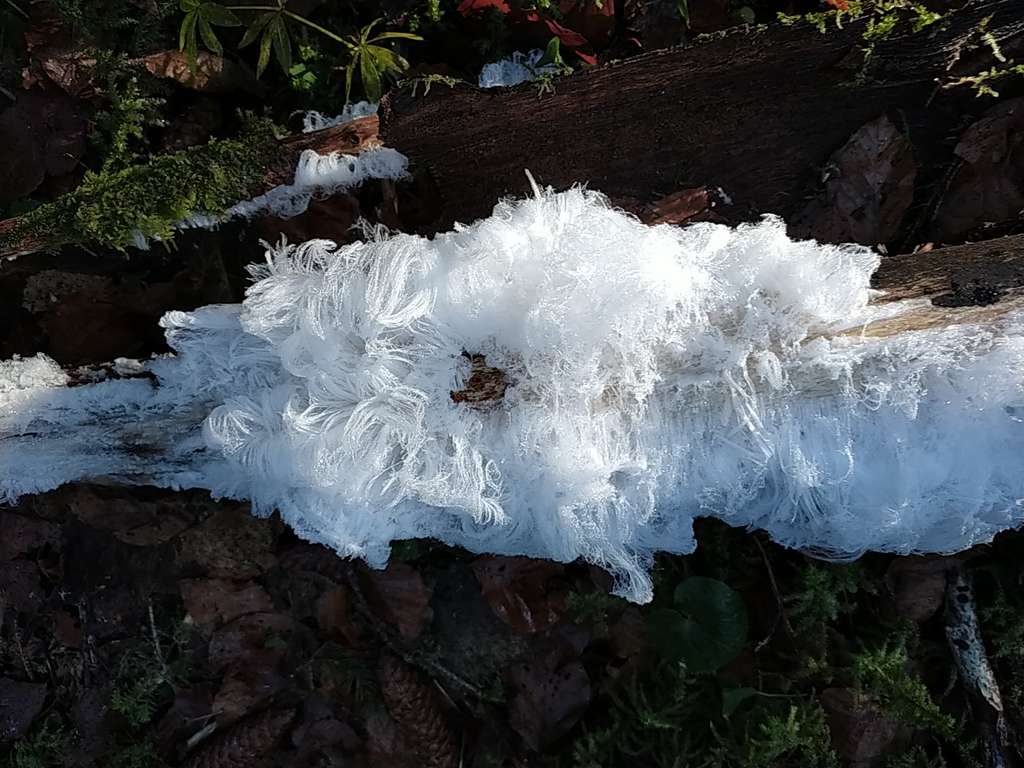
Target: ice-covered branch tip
<point>653,375</point>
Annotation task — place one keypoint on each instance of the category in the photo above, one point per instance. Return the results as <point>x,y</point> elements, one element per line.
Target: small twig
<point>780,617</point>
<point>157,650</point>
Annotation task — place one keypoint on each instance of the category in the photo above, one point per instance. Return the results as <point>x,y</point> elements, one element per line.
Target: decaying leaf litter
<point>146,627</point>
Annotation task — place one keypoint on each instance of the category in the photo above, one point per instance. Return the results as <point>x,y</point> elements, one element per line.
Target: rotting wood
<point>755,113</point>
<point>351,138</point>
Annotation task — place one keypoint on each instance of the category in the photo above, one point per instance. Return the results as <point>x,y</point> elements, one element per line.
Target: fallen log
<point>621,380</point>
<point>351,138</point>
<point>757,113</point>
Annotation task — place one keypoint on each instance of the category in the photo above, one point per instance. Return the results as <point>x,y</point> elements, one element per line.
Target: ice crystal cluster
<point>519,68</point>
<point>655,374</point>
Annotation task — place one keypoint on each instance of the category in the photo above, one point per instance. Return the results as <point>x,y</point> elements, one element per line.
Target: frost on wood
<point>655,374</point>
<point>520,68</point>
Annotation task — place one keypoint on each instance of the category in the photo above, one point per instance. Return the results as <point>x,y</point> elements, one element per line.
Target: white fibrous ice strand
<point>654,375</point>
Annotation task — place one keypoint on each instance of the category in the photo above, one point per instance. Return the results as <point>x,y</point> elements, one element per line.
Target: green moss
<point>47,747</point>
<point>109,207</point>
<point>884,675</point>
<point>882,17</point>
<point>802,733</point>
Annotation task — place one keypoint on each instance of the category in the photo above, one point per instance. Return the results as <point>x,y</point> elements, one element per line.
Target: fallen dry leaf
<point>94,724</point>
<point>475,6</point>
<point>247,685</point>
<point>520,590</point>
<point>399,595</point>
<point>20,534</point>
<point>217,601</point>
<point>869,185</point>
<point>249,636</point>
<point>230,544</point>
<point>861,733</point>
<point>20,586</point>
<point>552,690</point>
<point>988,187</point>
<point>20,703</point>
<point>67,630</point>
<point>213,73</point>
<point>678,207</point>
<point>137,519</point>
<point>336,621</point>
<point>918,585</point>
<point>188,714</point>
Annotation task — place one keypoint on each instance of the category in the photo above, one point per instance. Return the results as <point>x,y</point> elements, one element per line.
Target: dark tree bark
<point>756,113</point>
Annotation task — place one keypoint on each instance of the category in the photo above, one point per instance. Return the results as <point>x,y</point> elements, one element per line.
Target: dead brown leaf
<point>988,186</point>
<point>247,685</point>
<point>20,586</point>
<point>249,636</point>
<point>20,534</point>
<point>217,601</point>
<point>869,184</point>
<point>336,619</point>
<point>132,518</point>
<point>521,592</point>
<point>918,585</point>
<point>399,595</point>
<point>67,629</point>
<point>861,734</point>
<point>20,703</point>
<point>212,74</point>
<point>188,714</point>
<point>230,544</point>
<point>628,635</point>
<point>552,690</point>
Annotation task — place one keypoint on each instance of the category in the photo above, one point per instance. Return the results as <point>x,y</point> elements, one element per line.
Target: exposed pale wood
<point>963,274</point>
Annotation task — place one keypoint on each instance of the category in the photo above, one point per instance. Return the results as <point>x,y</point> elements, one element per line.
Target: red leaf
<point>473,6</point>
<point>839,5</point>
<point>568,37</point>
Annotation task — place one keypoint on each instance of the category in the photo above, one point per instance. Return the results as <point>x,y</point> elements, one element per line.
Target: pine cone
<point>245,744</point>
<point>415,707</point>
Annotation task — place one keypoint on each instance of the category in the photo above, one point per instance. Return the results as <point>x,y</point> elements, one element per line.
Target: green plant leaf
<point>218,15</point>
<point>209,37</point>
<point>188,30</point>
<point>364,34</point>
<point>395,36</point>
<point>370,75</point>
<point>255,27</point>
<point>714,623</point>
<point>684,11</point>
<point>348,79</point>
<point>552,54</point>
<point>386,60</point>
<point>264,58</point>
<point>666,630</point>
<point>282,42</point>
<point>733,697</point>
<point>189,5</point>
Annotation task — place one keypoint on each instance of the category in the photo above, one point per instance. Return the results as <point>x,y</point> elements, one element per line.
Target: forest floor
<point>141,627</point>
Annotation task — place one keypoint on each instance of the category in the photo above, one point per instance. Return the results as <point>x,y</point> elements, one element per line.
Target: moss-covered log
<point>109,207</point>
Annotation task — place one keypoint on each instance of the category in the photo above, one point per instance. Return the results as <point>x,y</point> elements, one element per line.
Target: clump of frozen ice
<point>656,374</point>
<point>315,121</point>
<point>519,68</point>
